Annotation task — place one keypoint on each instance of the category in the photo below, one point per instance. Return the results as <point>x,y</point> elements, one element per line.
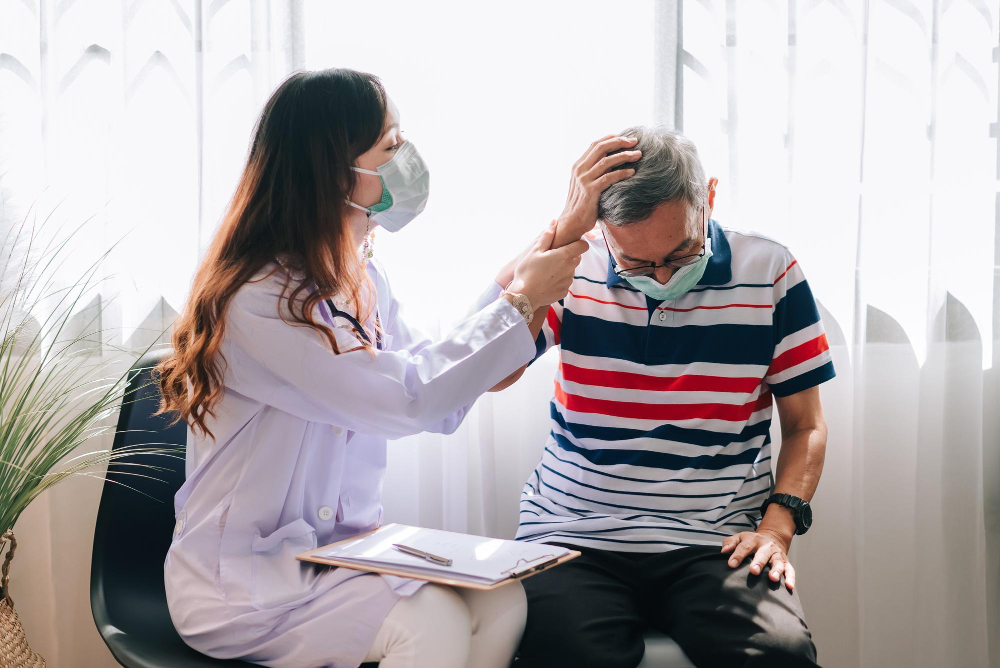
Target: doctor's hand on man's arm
<point>590,176</point>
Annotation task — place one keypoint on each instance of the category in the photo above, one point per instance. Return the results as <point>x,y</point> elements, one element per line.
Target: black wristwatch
<point>801,510</point>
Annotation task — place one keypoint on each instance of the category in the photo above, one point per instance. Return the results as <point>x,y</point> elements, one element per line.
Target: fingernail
<point>732,562</point>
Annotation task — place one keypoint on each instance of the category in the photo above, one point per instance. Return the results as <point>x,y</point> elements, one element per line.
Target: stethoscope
<point>337,313</point>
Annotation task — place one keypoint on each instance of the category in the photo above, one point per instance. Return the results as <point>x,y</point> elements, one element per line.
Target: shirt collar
<point>719,270</point>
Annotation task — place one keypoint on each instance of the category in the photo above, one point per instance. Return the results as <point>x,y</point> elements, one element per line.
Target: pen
<point>423,555</point>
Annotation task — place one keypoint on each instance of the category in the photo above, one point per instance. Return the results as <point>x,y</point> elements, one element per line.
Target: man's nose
<point>663,274</point>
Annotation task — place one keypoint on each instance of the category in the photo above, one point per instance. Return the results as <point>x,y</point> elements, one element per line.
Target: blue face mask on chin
<point>679,284</point>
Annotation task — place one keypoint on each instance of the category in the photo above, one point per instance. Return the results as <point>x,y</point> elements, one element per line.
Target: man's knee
<point>788,648</point>
<point>793,646</point>
<point>786,653</point>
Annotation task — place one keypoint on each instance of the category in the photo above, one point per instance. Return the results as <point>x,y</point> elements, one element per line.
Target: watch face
<point>807,515</point>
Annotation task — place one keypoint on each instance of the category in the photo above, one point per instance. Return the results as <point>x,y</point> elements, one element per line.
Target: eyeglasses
<point>676,263</point>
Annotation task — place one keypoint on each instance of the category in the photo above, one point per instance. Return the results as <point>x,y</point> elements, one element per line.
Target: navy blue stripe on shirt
<point>804,381</point>
<point>635,493</point>
<point>644,480</point>
<point>540,346</point>
<point>558,534</point>
<point>688,344</point>
<point>656,460</point>
<point>703,288</point>
<point>686,511</point>
<point>796,310</point>
<point>623,286</point>
<point>745,511</point>
<point>582,512</point>
<point>629,528</point>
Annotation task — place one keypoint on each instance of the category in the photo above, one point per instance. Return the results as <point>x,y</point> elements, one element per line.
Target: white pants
<point>441,627</point>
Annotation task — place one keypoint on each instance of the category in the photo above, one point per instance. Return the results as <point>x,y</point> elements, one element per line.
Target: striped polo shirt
<point>661,412</point>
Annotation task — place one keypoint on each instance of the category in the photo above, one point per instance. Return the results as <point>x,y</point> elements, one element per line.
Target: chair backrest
<point>134,529</point>
<point>136,515</point>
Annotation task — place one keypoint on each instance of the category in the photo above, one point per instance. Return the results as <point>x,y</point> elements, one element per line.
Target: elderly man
<point>676,337</point>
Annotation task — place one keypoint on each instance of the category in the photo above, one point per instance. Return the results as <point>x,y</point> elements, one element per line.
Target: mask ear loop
<point>358,206</point>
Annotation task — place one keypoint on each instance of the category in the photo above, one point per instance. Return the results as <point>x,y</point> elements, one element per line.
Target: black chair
<point>132,537</point>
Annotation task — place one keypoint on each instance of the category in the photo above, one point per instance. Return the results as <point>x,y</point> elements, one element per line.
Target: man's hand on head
<point>590,176</point>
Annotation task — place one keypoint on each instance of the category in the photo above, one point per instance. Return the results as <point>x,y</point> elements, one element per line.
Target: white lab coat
<point>298,461</point>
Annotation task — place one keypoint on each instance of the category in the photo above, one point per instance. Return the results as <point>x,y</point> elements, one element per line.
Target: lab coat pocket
<point>278,577</point>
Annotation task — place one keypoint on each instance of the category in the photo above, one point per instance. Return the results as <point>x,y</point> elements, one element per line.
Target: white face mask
<point>679,284</point>
<point>406,184</point>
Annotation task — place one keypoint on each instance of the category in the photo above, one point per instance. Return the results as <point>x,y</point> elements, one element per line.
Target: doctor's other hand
<point>591,175</point>
<point>544,274</point>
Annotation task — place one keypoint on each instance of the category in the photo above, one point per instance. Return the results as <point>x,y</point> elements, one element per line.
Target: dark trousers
<point>592,611</point>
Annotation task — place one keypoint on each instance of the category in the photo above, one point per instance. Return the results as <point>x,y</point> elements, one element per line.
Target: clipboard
<point>518,571</point>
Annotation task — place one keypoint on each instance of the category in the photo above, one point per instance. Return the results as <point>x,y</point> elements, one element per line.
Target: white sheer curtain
<point>861,133</point>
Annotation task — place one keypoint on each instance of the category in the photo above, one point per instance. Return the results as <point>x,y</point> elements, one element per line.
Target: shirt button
<point>178,528</point>
<point>337,430</point>
<point>326,513</point>
<point>663,316</point>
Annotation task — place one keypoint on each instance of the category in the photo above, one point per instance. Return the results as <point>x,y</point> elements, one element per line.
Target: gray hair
<point>669,168</point>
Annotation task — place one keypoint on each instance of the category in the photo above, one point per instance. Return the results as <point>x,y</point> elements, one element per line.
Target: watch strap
<point>793,503</point>
<point>521,304</point>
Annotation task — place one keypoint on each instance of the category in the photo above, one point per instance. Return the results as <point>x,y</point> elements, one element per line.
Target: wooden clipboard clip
<point>530,566</point>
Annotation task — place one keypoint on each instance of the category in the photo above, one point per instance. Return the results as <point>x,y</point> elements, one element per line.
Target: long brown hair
<point>289,204</point>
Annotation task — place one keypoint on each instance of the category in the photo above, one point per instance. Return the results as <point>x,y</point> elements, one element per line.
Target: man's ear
<point>712,183</point>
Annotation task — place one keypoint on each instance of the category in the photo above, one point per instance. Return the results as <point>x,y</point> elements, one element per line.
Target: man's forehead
<point>667,231</point>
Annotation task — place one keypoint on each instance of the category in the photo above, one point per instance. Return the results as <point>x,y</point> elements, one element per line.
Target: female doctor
<point>292,366</point>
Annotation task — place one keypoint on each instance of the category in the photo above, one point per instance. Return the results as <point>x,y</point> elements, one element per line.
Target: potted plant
<point>61,383</point>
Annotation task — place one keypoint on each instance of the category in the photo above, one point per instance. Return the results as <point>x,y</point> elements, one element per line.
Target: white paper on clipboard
<point>474,558</point>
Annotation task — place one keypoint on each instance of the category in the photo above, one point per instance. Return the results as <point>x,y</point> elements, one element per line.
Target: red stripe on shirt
<point>601,301</point>
<point>794,262</point>
<point>799,354</point>
<point>637,381</point>
<point>555,324</point>
<point>662,412</point>
<point>695,308</point>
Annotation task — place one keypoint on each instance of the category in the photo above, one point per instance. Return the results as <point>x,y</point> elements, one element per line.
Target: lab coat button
<point>663,316</point>
<point>337,430</point>
<point>178,527</point>
<point>326,513</point>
